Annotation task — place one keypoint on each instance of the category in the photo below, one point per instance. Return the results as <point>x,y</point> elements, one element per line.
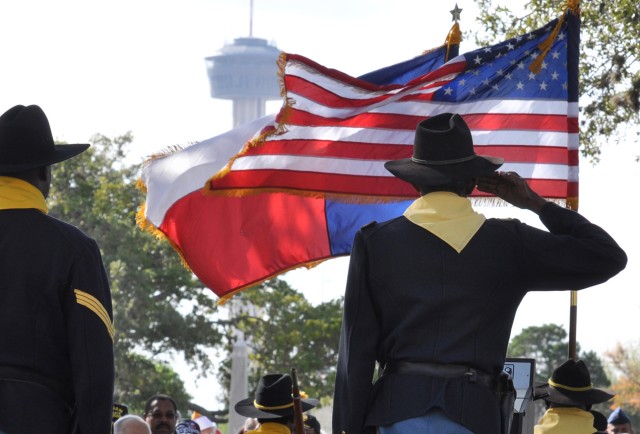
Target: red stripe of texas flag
<point>258,243</point>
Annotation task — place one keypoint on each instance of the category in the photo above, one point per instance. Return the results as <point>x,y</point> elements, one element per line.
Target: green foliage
<point>159,308</point>
<point>625,363</point>
<point>145,378</point>
<point>548,345</point>
<point>610,52</point>
<point>285,331</point>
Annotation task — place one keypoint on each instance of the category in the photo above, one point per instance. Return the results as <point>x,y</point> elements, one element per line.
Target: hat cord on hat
<point>272,407</point>
<point>457,160</point>
<point>573,389</point>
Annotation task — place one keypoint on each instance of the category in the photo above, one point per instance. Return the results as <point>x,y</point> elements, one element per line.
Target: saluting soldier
<point>56,362</point>
<point>431,295</point>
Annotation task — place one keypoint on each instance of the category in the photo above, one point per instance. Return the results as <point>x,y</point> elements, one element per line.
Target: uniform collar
<point>18,194</point>
<point>446,215</point>
<point>272,427</point>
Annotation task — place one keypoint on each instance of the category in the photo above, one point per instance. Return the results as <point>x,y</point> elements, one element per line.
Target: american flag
<point>337,131</point>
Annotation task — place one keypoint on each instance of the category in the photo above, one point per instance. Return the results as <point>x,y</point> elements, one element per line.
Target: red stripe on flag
<point>517,121</point>
<point>385,152</point>
<point>551,189</point>
<point>325,182</point>
<point>332,148</point>
<point>531,154</point>
<point>364,120</point>
<point>491,122</point>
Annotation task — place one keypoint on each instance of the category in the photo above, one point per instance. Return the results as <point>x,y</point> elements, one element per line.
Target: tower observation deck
<point>245,72</point>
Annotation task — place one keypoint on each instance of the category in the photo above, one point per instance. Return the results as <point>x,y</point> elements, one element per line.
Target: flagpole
<point>573,319</point>
<point>574,7</point>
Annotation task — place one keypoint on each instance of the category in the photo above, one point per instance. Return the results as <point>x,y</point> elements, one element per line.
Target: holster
<point>507,397</point>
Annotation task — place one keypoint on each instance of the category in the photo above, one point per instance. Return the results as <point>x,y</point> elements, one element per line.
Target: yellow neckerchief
<point>446,215</point>
<point>271,427</point>
<point>16,193</point>
<point>562,420</point>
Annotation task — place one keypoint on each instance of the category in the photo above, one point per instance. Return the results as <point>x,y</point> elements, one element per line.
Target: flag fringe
<point>162,154</point>
<point>496,202</point>
<point>345,198</point>
<point>140,185</point>
<point>148,227</point>
<point>308,265</point>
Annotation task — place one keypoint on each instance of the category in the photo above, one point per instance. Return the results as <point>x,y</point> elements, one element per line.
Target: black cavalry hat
<point>273,399</point>
<point>570,384</point>
<point>26,141</point>
<point>442,153</point>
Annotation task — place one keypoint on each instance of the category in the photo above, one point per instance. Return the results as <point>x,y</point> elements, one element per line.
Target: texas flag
<point>231,243</point>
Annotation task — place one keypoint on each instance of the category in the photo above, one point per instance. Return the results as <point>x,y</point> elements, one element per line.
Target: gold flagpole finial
<point>455,35</point>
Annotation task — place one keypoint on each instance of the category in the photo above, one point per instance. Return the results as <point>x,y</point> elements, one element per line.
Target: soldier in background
<point>55,302</point>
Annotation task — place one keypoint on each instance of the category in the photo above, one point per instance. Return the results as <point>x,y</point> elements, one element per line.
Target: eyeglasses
<point>159,414</point>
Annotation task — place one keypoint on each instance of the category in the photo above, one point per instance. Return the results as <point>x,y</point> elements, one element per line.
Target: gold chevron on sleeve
<point>89,301</point>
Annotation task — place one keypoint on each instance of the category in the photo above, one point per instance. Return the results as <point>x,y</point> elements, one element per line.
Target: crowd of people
<point>568,396</point>
<point>271,410</point>
<point>430,300</point>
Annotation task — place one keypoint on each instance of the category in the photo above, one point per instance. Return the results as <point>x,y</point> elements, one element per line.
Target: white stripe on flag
<point>356,167</point>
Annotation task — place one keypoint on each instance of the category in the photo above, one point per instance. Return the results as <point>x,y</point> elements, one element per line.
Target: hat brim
<point>61,153</point>
<point>437,174</point>
<point>568,397</point>
<point>248,409</point>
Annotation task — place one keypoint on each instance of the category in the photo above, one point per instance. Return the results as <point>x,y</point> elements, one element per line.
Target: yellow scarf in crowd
<point>271,428</point>
<point>446,215</point>
<point>562,420</point>
<point>16,193</point>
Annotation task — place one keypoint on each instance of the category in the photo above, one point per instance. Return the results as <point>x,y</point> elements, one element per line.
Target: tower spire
<point>250,18</point>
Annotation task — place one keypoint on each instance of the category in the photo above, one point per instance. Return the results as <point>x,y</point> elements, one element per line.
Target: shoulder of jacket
<point>369,226</point>
<point>375,226</point>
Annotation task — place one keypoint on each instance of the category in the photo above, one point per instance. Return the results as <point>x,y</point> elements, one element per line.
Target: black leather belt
<point>441,371</point>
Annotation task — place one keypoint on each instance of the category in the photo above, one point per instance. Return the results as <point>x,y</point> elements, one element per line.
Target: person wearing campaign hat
<point>55,315</point>
<point>619,422</point>
<point>273,405</point>
<point>569,395</point>
<point>431,295</point>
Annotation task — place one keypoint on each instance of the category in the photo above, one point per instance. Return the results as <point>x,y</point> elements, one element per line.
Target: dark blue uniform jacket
<point>411,297</point>
<point>56,328</point>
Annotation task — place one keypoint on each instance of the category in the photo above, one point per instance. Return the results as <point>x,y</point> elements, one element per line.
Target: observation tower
<point>245,72</point>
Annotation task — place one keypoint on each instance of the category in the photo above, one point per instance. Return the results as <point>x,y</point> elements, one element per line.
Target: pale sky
<point>114,66</point>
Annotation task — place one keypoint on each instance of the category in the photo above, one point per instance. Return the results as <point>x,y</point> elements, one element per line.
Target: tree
<point>610,52</point>
<point>159,308</point>
<point>285,331</point>
<point>140,378</point>
<point>625,361</point>
<point>547,345</point>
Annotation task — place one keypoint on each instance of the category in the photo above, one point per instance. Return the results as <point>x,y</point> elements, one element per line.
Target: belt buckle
<point>472,374</point>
